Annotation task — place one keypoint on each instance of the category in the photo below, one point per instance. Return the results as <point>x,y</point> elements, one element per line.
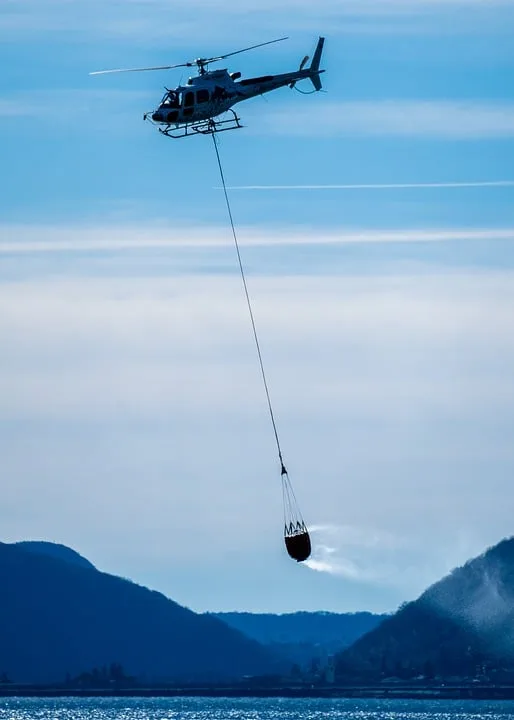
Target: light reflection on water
<point>249,709</point>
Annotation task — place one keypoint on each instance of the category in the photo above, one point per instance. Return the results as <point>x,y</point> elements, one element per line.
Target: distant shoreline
<point>371,692</point>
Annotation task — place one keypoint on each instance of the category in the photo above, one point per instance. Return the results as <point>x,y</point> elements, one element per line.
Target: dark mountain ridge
<point>303,636</point>
<point>461,626</point>
<point>59,617</point>
<point>55,550</point>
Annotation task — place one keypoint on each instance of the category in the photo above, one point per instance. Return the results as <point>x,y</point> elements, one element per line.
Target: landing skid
<point>202,127</point>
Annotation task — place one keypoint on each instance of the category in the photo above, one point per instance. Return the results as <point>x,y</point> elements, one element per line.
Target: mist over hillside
<point>462,626</point>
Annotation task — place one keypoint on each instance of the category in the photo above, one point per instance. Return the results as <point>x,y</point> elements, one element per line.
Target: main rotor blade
<point>252,47</point>
<point>163,67</point>
<point>194,63</point>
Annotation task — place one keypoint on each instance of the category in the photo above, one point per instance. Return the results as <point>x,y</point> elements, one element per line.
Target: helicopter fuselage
<point>213,93</point>
<point>195,108</point>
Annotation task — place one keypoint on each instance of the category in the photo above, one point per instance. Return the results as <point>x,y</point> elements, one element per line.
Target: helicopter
<point>196,107</point>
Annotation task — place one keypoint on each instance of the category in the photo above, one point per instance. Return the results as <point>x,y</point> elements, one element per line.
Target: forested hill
<point>303,636</point>
<point>462,626</point>
<point>55,550</point>
<point>59,617</point>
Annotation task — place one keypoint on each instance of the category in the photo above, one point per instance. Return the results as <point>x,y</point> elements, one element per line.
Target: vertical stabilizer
<point>314,68</point>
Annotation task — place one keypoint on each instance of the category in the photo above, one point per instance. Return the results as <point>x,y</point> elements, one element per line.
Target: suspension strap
<point>248,302</point>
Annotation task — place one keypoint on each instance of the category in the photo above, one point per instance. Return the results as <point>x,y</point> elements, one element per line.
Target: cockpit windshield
<point>171,99</point>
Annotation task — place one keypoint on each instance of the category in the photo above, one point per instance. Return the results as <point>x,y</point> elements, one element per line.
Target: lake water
<point>250,709</point>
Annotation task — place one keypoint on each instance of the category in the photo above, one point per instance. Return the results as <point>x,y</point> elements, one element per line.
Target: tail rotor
<point>302,65</point>
<point>312,72</point>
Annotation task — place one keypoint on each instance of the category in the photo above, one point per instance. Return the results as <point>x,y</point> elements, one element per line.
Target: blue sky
<point>134,425</point>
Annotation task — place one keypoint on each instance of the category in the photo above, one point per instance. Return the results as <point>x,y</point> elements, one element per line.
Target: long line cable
<point>294,523</point>
<point>248,302</point>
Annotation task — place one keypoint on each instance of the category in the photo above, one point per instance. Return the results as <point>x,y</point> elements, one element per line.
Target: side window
<point>202,96</point>
<point>189,99</point>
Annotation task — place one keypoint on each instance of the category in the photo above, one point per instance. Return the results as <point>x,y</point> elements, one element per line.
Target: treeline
<point>111,676</point>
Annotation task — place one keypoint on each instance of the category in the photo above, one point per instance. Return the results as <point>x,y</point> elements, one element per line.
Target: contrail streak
<point>379,186</point>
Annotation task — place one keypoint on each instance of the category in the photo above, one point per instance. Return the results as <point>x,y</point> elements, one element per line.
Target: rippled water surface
<point>249,709</point>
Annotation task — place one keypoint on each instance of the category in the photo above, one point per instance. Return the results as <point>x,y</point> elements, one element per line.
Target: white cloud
<point>443,119</point>
<point>453,119</point>
<point>191,21</point>
<point>382,186</point>
<point>139,401</point>
<point>111,109</point>
<point>27,239</point>
<point>79,348</point>
<point>10,107</point>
